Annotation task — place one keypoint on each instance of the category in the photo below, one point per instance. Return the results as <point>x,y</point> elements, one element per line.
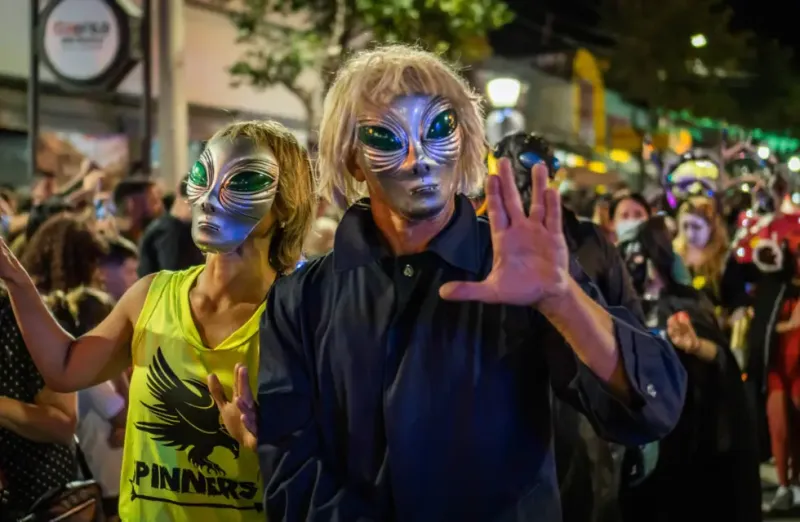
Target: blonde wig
<point>369,81</point>
<point>715,252</point>
<point>295,204</point>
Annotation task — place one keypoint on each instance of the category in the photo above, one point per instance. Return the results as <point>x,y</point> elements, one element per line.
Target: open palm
<point>531,259</point>
<point>681,333</point>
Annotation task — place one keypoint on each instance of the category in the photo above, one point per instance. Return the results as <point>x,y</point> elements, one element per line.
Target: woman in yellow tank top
<point>191,335</point>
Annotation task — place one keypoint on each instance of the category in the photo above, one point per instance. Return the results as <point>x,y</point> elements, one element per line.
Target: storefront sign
<point>85,43</point>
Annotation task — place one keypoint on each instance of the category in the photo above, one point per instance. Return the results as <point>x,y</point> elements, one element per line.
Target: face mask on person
<point>626,229</point>
<point>695,229</point>
<point>636,263</point>
<point>409,153</point>
<point>231,189</point>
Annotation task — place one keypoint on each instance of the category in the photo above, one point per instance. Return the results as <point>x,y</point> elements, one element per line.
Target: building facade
<point>210,48</point>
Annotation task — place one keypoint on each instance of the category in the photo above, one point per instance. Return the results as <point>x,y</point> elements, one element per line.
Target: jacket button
<point>408,271</point>
<point>651,390</point>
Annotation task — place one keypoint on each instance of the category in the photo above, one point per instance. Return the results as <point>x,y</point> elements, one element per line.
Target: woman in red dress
<point>783,400</point>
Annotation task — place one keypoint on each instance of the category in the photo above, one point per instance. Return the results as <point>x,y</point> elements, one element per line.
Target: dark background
<point>574,23</point>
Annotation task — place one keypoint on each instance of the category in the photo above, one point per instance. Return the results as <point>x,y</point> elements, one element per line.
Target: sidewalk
<point>769,483</point>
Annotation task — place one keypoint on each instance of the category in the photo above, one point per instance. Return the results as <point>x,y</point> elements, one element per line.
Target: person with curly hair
<point>37,423</point>
<point>63,254</point>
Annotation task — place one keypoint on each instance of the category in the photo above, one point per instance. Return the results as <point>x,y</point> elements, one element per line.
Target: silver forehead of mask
<point>240,188</point>
<point>410,152</point>
<point>409,119</point>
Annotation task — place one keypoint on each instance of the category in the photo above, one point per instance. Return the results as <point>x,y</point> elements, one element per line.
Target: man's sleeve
<point>299,485</point>
<point>657,380</point>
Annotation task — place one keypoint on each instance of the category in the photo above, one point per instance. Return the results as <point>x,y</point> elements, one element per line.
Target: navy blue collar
<point>358,241</point>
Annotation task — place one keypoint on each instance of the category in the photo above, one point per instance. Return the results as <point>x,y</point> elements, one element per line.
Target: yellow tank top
<point>179,462</point>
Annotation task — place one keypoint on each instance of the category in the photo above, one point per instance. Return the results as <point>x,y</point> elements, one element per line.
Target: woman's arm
<point>682,333</point>
<point>785,326</point>
<point>66,363</point>
<point>793,323</point>
<point>51,419</point>
<point>704,350</point>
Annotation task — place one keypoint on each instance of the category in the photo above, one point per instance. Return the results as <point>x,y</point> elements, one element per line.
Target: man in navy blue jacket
<point>407,375</point>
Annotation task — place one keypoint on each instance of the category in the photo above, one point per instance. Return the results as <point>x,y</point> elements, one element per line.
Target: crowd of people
<point>425,343</point>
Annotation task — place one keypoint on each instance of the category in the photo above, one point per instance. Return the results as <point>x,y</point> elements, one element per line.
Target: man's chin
<point>423,213</point>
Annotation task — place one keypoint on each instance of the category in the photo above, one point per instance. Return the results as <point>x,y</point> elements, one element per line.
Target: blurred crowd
<point>612,358</point>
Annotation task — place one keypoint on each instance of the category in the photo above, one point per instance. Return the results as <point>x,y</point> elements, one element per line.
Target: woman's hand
<point>239,413</point>
<point>116,439</point>
<point>11,270</point>
<point>681,333</point>
<point>739,314</point>
<point>794,319</point>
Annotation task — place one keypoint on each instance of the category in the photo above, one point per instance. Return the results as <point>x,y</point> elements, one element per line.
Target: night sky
<point>575,24</point>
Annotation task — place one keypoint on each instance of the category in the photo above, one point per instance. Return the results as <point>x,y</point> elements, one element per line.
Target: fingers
<point>539,179</point>
<point>678,320</point>
<point>498,220</point>
<point>512,201</point>
<point>243,384</point>
<point>236,369</point>
<point>217,391</point>
<point>248,416</point>
<point>467,291</point>
<point>552,210</point>
<point>244,401</point>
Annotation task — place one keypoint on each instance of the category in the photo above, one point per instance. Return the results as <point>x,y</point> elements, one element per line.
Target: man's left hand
<point>531,259</point>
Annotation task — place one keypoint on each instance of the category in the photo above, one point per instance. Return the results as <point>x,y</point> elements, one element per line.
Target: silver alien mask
<point>409,152</point>
<point>231,189</point>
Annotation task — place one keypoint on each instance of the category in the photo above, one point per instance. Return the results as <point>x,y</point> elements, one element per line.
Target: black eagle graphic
<point>189,418</point>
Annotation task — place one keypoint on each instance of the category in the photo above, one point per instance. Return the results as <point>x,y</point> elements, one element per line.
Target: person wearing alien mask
<point>588,467</point>
<point>702,243</point>
<point>191,335</point>
<point>407,374</point>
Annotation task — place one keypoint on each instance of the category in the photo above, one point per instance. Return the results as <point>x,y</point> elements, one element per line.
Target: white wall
<point>210,49</point>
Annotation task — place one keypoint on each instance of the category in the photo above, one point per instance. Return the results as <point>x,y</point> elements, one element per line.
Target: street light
<point>699,40</point>
<point>503,93</point>
<point>763,152</point>
<point>794,164</point>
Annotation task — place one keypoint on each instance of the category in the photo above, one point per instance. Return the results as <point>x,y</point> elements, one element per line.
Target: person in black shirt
<point>407,375</point>
<point>588,468</point>
<point>167,243</point>
<point>137,203</point>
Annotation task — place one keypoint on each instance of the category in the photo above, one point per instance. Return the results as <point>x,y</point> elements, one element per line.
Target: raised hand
<point>11,270</point>
<point>239,413</point>
<point>681,333</point>
<point>531,260</point>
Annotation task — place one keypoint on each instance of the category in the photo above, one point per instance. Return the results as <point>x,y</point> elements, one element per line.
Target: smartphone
<point>103,209</point>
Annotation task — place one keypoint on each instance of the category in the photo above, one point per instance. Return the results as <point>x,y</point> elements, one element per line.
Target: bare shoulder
<point>132,302</point>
